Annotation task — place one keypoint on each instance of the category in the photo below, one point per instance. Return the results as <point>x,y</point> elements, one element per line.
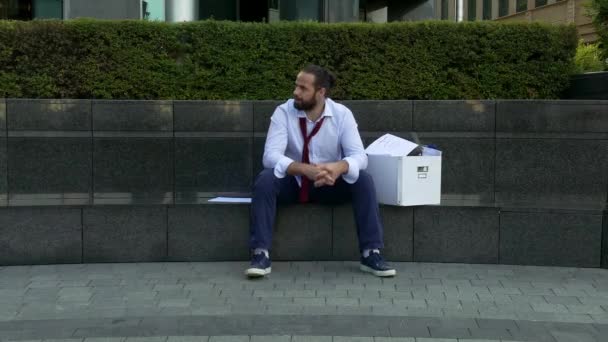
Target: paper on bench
<point>389,144</point>
<point>231,200</point>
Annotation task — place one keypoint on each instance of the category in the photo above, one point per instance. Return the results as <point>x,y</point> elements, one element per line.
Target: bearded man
<point>314,153</point>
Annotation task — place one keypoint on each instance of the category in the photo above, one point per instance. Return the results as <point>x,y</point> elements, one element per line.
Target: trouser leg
<point>366,211</point>
<point>267,191</point>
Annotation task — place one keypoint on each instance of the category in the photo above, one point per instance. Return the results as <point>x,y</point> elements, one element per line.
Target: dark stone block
<point>49,170</point>
<point>64,115</point>
<point>302,232</point>
<point>398,233</point>
<point>205,166</point>
<point>125,234</point>
<point>133,170</point>
<point>258,155</point>
<point>550,239</point>
<point>382,116</point>
<point>3,172</point>
<point>454,116</point>
<point>40,236</point>
<point>124,115</point>
<point>2,117</point>
<point>467,170</point>
<point>552,172</point>
<point>588,86</point>
<point>213,116</point>
<point>211,232</point>
<point>605,241</point>
<point>456,234</point>
<point>552,116</point>
<point>262,111</point>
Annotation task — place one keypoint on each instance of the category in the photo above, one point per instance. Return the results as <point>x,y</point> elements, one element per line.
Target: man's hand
<point>330,173</point>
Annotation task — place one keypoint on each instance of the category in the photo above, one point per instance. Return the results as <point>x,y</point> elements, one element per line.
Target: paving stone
<point>285,338</point>
<point>311,338</point>
<point>188,339</point>
<point>229,338</point>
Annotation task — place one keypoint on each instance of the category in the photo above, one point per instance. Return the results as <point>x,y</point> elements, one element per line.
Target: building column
<point>571,11</point>
<point>479,13</point>
<point>452,10</point>
<point>181,10</point>
<point>531,4</point>
<point>512,7</point>
<point>494,9</point>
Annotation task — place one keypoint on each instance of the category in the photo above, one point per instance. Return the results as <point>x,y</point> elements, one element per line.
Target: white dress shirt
<point>338,139</point>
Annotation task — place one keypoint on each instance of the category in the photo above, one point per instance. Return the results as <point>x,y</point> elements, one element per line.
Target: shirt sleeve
<point>276,143</point>
<point>352,147</point>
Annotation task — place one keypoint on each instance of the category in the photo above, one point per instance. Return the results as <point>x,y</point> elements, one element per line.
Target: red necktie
<point>303,195</point>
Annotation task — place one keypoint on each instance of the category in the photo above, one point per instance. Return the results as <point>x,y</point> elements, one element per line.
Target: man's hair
<point>323,77</point>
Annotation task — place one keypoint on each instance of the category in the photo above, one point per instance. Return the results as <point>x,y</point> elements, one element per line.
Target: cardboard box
<point>401,179</point>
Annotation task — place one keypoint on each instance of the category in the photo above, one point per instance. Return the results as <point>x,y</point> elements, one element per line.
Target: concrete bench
<point>524,182</point>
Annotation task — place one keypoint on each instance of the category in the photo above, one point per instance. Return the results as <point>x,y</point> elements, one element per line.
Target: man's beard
<point>305,105</point>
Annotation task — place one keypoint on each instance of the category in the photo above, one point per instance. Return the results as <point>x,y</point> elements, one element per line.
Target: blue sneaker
<point>376,265</point>
<point>260,266</point>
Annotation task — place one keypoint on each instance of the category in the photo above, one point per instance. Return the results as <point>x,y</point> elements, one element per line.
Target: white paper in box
<point>402,180</point>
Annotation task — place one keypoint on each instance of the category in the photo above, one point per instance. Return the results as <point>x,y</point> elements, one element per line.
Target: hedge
<point>232,60</point>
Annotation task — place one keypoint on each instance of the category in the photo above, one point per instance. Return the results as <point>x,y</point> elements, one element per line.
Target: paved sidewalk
<point>302,301</point>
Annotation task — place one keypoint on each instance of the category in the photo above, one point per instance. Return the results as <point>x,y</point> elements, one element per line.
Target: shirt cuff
<point>280,170</point>
<point>352,174</point>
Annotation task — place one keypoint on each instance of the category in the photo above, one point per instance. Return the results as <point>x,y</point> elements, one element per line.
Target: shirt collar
<point>327,111</point>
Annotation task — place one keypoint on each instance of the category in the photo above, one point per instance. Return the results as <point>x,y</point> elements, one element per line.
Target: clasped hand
<point>325,174</point>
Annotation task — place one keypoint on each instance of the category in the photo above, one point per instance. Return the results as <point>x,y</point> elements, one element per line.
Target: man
<point>314,153</point>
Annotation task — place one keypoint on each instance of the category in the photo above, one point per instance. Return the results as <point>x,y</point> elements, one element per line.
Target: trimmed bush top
<point>214,60</point>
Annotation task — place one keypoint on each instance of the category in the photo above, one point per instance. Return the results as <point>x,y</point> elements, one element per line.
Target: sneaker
<point>376,265</point>
<point>260,266</point>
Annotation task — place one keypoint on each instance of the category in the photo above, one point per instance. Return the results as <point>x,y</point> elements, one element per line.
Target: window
<point>487,9</point>
<point>16,9</point>
<point>503,8</point>
<point>521,6</point>
<point>472,10</point>
<point>538,3</point>
<point>444,9</point>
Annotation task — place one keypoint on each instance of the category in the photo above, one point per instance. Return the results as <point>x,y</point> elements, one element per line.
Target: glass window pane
<point>522,5</point>
<point>487,9</point>
<point>301,10</point>
<point>48,9</point>
<point>16,9</point>
<point>444,9</point>
<point>217,9</point>
<point>503,8</point>
<point>538,3</point>
<point>472,10</point>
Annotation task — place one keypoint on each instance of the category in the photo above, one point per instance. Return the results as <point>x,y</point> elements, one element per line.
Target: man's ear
<point>322,91</point>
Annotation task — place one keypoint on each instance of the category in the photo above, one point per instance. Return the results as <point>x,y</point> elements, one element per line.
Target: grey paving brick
<point>556,308</point>
<point>229,338</point>
<point>147,339</point>
<point>566,336</point>
<point>586,309</point>
<point>343,301</point>
<point>352,339</point>
<point>299,338</point>
<point>274,338</point>
<point>394,339</point>
<point>188,339</point>
<point>567,300</point>
<point>105,339</point>
<point>310,301</point>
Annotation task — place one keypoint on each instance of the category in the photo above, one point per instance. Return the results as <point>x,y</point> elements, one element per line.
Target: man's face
<point>305,94</point>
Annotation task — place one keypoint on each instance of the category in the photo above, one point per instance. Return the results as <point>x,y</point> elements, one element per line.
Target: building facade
<point>552,11</point>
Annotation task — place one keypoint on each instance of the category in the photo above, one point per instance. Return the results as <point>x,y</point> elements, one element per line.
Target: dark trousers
<point>269,190</point>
